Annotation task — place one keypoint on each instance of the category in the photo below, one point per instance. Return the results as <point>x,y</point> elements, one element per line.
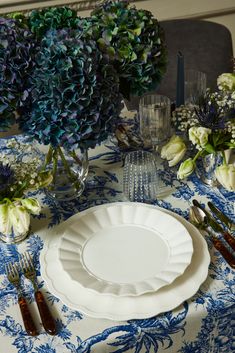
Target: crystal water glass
<point>140,180</point>
<point>155,119</point>
<point>194,86</point>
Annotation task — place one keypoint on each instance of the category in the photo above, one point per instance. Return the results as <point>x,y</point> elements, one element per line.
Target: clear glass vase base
<point>210,182</point>
<point>65,190</point>
<point>69,169</point>
<point>12,238</point>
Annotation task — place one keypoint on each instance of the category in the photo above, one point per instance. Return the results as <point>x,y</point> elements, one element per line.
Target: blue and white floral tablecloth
<point>204,323</point>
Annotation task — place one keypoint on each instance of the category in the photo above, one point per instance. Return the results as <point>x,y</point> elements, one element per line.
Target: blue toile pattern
<point>204,323</point>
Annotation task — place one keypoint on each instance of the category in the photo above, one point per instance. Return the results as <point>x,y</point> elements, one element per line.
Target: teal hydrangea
<point>75,101</point>
<point>40,21</point>
<point>134,40</point>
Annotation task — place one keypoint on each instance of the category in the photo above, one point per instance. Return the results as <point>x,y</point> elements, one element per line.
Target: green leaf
<point>124,52</point>
<point>111,52</point>
<point>101,43</point>
<point>230,144</point>
<point>209,148</point>
<point>215,138</point>
<point>115,31</point>
<point>107,36</point>
<point>137,31</point>
<point>133,56</point>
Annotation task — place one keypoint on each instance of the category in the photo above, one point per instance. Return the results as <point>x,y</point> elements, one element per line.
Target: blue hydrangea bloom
<point>75,101</point>
<point>16,62</point>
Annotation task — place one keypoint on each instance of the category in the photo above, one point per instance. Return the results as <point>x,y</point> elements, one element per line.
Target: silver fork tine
<point>11,269</point>
<point>14,271</point>
<point>26,262</point>
<point>7,270</point>
<point>22,263</point>
<point>29,259</point>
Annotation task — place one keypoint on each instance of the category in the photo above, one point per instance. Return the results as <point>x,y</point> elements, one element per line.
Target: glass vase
<point>69,170</point>
<point>14,238</point>
<point>206,166</point>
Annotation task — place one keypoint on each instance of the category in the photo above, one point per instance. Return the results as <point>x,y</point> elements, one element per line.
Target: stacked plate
<point>124,261</point>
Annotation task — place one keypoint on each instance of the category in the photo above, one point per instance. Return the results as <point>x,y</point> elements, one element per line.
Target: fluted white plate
<point>121,308</point>
<point>125,249</point>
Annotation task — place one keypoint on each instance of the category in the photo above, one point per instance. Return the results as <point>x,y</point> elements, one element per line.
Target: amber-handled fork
<point>14,278</point>
<point>48,321</point>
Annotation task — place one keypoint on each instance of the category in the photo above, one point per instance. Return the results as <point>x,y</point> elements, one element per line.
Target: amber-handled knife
<point>221,216</point>
<point>216,226</point>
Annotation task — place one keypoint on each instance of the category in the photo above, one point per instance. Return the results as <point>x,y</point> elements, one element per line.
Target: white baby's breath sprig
<point>184,117</point>
<point>26,164</point>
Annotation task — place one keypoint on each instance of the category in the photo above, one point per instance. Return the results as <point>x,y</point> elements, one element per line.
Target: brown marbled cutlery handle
<point>230,240</point>
<point>227,255</point>
<point>27,317</point>
<point>48,321</point>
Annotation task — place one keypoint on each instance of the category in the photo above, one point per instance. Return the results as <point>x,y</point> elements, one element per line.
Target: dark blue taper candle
<point>180,80</point>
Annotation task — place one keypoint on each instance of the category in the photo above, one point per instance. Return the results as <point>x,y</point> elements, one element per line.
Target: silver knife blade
<point>221,216</point>
<point>211,220</point>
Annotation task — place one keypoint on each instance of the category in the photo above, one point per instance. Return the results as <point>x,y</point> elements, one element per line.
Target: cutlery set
<point>202,218</point>
<point>13,272</point>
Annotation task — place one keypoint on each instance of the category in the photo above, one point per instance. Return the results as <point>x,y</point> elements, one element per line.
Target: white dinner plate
<point>121,308</point>
<point>125,249</point>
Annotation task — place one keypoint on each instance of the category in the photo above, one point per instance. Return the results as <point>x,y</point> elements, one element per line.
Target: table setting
<point>204,291</point>
<point>114,236</point>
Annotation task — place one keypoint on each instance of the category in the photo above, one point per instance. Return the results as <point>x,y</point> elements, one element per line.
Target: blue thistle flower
<point>6,176</point>
<point>211,115</point>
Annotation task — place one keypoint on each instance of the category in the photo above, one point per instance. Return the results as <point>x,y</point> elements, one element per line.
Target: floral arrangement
<point>81,69</point>
<point>211,129</point>
<point>17,178</point>
<point>63,77</point>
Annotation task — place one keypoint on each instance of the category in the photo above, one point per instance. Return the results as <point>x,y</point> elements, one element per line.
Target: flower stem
<point>199,153</point>
<point>19,192</point>
<point>75,157</point>
<point>55,163</point>
<point>65,163</point>
<point>224,158</point>
<point>48,158</point>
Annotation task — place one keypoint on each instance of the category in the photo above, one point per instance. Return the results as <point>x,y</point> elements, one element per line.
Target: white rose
<point>5,223</point>
<point>225,174</point>
<point>186,168</point>
<point>31,205</point>
<point>19,218</point>
<point>174,150</point>
<point>198,135</point>
<point>226,82</point>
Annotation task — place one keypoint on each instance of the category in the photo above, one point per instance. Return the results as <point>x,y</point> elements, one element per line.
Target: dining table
<point>201,323</point>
